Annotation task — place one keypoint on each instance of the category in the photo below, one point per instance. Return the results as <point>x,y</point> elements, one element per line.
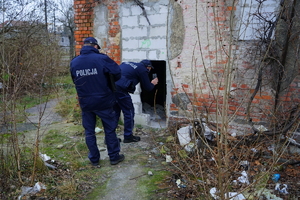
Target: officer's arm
<point>145,82</point>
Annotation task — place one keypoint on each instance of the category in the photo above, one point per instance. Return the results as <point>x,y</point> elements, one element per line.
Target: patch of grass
<point>160,139</point>
<point>59,146</point>
<point>99,190</point>
<point>54,137</point>
<point>69,108</point>
<point>68,189</point>
<point>81,147</point>
<point>5,137</point>
<point>99,123</point>
<point>65,79</point>
<point>150,184</point>
<point>95,175</point>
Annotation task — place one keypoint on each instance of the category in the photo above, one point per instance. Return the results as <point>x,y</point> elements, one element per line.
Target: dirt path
<point>132,178</point>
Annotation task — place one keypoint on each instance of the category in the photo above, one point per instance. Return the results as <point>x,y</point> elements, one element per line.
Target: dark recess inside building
<point>158,95</point>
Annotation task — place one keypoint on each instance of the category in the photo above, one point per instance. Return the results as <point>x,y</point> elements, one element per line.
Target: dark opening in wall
<point>157,96</point>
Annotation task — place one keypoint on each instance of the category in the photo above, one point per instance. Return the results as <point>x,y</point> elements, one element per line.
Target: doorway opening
<point>153,102</point>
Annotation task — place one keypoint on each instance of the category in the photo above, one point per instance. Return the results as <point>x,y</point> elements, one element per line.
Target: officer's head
<point>147,64</point>
<point>90,41</point>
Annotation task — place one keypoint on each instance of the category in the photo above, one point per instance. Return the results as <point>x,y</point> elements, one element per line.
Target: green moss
<point>99,190</point>
<point>100,184</point>
<point>150,184</point>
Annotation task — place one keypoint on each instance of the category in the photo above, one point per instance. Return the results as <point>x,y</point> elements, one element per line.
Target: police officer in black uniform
<point>90,72</point>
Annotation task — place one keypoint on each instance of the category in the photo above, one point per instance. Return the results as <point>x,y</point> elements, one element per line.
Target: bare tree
<point>66,18</point>
<point>29,60</point>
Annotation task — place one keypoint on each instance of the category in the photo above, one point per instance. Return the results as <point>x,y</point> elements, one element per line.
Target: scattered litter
<point>283,189</point>
<point>245,164</point>
<point>293,141</point>
<point>243,178</point>
<point>98,130</point>
<point>150,173</point>
<point>263,193</point>
<point>254,150</point>
<point>213,192</point>
<point>49,165</point>
<point>231,195</point>
<point>38,187</point>
<point>260,128</point>
<point>234,182</point>
<point>235,196</point>
<point>180,184</point>
<point>184,135</point>
<point>209,134</point>
<point>44,157</point>
<point>275,177</point>
<point>189,147</point>
<point>168,158</point>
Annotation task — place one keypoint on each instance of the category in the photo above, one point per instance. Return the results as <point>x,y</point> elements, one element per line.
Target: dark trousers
<point>108,121</point>
<point>124,103</point>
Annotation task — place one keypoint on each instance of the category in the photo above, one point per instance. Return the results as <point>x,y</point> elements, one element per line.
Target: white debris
<point>98,130</point>
<point>178,182</point>
<point>243,178</point>
<point>231,195</point>
<point>208,133</point>
<point>261,128</point>
<point>236,195</point>
<point>213,192</point>
<point>267,194</point>
<point>150,173</point>
<point>44,157</point>
<point>282,189</point>
<point>38,187</point>
<point>168,158</point>
<point>189,147</point>
<point>293,141</point>
<point>184,135</point>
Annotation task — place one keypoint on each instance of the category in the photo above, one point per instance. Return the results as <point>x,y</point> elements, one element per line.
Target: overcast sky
<point>20,9</point>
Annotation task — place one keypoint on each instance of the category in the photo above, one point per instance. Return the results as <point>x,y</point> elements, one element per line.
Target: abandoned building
<point>215,60</point>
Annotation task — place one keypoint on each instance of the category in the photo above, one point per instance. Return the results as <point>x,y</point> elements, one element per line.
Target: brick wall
<point>84,20</point>
<point>84,11</point>
<point>197,74</point>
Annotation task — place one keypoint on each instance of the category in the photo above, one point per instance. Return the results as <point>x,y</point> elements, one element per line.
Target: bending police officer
<point>132,74</point>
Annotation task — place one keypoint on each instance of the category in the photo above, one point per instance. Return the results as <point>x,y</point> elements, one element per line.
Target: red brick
<point>230,8</point>
<point>232,108</point>
<point>185,85</point>
<point>243,86</point>
<point>255,120</point>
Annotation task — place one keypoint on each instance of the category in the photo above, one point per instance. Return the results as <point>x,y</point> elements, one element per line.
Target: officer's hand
<point>154,81</point>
